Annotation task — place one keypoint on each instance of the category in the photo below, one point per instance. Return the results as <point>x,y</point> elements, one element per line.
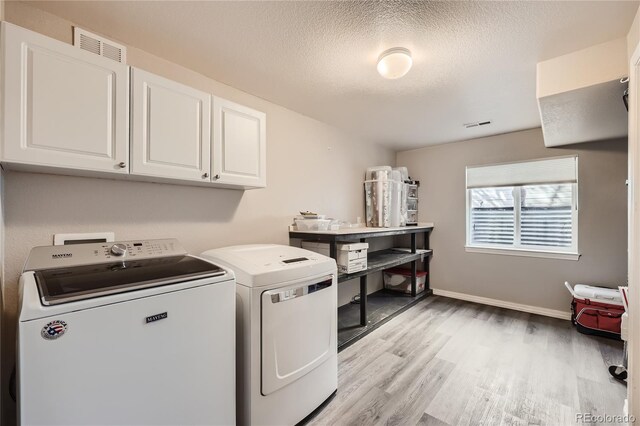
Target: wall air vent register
<point>477,124</point>
<point>98,45</point>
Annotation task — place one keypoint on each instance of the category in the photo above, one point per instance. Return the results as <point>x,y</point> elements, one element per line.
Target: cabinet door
<point>239,145</point>
<point>171,128</point>
<point>63,107</point>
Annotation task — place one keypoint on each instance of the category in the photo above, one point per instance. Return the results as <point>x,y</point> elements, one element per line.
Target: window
<point>527,208</point>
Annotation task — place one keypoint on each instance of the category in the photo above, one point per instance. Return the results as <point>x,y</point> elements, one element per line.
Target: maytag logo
<point>156,317</point>
<point>61,255</point>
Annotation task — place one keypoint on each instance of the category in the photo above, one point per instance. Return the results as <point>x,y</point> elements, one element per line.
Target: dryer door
<point>298,330</point>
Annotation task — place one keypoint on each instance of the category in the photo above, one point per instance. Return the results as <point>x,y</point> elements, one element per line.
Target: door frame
<point>633,344</point>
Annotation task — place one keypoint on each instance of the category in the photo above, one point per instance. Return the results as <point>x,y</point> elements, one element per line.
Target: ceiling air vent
<point>477,124</point>
<point>98,45</point>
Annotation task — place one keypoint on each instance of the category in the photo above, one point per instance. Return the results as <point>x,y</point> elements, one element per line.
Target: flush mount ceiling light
<point>394,63</point>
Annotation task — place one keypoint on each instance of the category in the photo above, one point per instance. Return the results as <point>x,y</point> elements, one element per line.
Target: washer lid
<point>259,265</point>
<point>61,285</point>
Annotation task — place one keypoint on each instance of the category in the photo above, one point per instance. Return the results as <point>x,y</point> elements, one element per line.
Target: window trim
<point>562,255</point>
<point>571,253</point>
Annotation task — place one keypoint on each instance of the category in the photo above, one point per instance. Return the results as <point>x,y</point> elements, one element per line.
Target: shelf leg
<point>414,268</point>
<point>425,266</point>
<point>414,278</point>
<point>363,300</point>
<point>333,250</point>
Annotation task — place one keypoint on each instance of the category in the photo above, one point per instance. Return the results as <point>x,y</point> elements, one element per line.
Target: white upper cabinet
<point>70,111</point>
<point>63,107</point>
<point>171,128</point>
<point>239,145</point>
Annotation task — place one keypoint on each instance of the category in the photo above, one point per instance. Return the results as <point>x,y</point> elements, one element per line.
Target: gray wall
<point>602,232</point>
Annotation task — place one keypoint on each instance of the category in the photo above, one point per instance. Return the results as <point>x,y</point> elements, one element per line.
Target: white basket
<point>312,224</point>
<point>597,294</point>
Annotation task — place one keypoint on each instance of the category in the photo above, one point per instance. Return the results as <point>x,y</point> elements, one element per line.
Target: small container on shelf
<point>399,279</point>
<point>412,201</point>
<point>312,224</point>
<point>412,190</point>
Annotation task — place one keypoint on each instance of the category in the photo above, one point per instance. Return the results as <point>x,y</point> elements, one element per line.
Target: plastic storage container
<point>378,203</point>
<point>412,202</point>
<point>312,224</point>
<point>397,186</point>
<point>399,279</point>
<point>412,217</point>
<point>384,197</point>
<point>404,173</point>
<point>379,173</point>
<point>412,190</point>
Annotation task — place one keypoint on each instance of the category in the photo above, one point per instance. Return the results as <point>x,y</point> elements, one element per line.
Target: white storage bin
<point>399,279</point>
<point>404,173</point>
<point>312,224</point>
<point>597,294</point>
<point>378,203</point>
<point>379,173</point>
<point>385,198</point>
<point>352,257</point>
<point>397,187</point>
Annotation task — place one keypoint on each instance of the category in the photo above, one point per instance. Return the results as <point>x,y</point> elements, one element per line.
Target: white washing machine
<point>127,333</point>
<point>286,316</point>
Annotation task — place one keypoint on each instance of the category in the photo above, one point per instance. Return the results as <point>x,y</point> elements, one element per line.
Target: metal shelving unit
<point>387,304</point>
<point>384,259</point>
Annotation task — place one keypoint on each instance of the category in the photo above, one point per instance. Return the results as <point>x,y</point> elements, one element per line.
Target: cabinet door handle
<point>122,164</point>
<point>216,177</point>
<point>206,175</point>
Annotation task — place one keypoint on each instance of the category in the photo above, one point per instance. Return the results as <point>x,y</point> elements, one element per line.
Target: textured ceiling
<point>473,61</point>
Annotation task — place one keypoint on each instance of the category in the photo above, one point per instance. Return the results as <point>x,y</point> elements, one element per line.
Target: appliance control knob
<point>118,249</point>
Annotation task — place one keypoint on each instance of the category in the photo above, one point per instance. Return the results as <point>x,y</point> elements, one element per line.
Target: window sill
<point>524,252</point>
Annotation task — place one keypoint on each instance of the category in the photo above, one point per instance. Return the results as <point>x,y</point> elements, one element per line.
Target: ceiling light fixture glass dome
<point>394,63</point>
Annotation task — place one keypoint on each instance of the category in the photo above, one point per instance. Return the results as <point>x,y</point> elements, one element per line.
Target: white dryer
<point>286,316</point>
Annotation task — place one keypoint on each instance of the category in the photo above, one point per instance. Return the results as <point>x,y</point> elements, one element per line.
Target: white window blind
<point>522,209</point>
<point>550,170</point>
<point>492,216</point>
<point>546,215</point>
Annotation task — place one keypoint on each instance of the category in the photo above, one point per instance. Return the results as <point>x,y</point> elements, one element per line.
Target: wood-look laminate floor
<point>449,362</point>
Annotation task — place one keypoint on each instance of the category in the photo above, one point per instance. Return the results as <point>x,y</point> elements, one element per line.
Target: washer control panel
<point>118,249</point>
<point>49,257</point>
<point>141,249</point>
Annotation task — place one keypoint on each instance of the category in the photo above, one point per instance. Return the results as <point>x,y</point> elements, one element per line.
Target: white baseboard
<point>503,304</point>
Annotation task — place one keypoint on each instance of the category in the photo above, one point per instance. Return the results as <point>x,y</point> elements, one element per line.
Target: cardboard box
<point>352,257</point>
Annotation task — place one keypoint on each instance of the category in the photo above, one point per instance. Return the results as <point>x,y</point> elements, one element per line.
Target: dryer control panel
<point>50,257</point>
